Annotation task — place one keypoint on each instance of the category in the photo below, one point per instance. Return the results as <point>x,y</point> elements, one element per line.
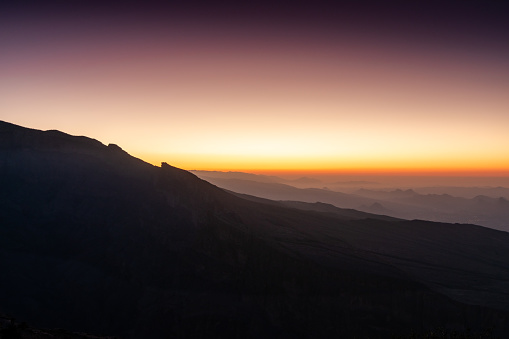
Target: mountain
<point>377,208</point>
<point>302,182</point>
<point>93,240</point>
<point>403,204</point>
<point>305,181</point>
<point>482,210</point>
<point>344,213</point>
<point>355,183</point>
<point>238,175</point>
<point>466,192</point>
<point>279,191</point>
<point>396,194</point>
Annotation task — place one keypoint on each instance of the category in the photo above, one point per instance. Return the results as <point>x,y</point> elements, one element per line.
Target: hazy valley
<point>486,206</point>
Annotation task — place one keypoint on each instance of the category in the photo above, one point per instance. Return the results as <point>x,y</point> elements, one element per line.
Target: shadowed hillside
<point>408,204</point>
<point>93,240</point>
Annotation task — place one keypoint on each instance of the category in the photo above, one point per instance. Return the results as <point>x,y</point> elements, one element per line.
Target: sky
<point>364,88</point>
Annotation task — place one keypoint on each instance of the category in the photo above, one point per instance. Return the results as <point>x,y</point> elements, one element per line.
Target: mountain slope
<point>485,211</point>
<point>278,191</point>
<point>94,240</point>
<point>343,213</point>
<point>482,210</point>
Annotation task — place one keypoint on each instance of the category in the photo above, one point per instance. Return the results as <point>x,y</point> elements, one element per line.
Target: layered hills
<point>94,240</point>
<point>481,209</point>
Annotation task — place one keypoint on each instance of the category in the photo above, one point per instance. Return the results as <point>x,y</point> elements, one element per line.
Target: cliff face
<point>94,240</point>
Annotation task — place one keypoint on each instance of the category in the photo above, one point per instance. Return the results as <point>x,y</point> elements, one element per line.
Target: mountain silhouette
<point>405,204</point>
<point>467,192</point>
<point>377,208</point>
<point>238,175</point>
<point>344,213</point>
<point>94,240</point>
<point>481,209</point>
<point>396,194</point>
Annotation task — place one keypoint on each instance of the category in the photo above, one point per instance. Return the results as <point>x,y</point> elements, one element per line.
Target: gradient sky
<point>360,88</point>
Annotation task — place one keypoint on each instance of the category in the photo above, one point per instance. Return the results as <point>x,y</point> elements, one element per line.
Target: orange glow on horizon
<point>289,166</point>
<point>212,100</point>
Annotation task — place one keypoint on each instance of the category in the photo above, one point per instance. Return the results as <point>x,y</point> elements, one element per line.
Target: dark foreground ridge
<point>93,240</point>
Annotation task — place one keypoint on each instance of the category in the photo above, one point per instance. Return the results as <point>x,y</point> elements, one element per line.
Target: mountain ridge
<point>405,204</point>
<point>97,241</point>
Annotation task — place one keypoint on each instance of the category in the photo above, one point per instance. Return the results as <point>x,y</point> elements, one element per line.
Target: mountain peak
<point>14,137</point>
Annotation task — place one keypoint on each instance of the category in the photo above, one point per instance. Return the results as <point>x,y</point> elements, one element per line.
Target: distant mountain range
<point>302,181</point>
<point>93,240</point>
<point>467,192</point>
<point>481,209</point>
<point>407,204</point>
<point>350,186</point>
<point>238,175</point>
